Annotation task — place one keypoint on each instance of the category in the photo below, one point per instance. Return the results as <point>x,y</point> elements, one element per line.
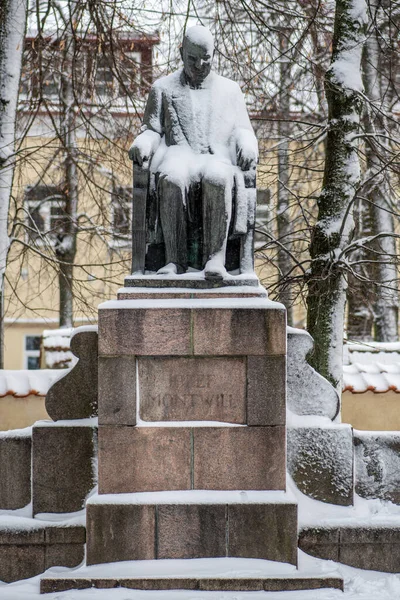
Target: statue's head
<point>197,52</point>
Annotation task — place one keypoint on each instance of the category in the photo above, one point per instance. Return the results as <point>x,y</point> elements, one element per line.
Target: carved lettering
<point>193,389</point>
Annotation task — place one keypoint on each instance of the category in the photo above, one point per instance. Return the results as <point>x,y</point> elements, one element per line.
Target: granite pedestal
<point>192,399</point>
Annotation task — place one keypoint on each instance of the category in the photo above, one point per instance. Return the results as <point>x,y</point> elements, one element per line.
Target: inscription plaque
<point>193,389</point>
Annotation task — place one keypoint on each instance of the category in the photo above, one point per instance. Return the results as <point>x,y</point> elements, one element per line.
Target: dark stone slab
<point>377,464</point>
<point>21,562</point>
<point>62,467</point>
<point>270,584</point>
<point>157,281</point>
<point>24,537</point>
<point>373,557</point>
<point>150,458</point>
<point>372,548</point>
<point>74,396</point>
<point>133,533</point>
<point>191,531</point>
<point>308,393</point>
<point>369,535</point>
<point>158,293</point>
<point>239,458</point>
<point>193,389</point>
<point>267,531</point>
<point>28,552</point>
<point>117,390</point>
<point>144,332</point>
<point>48,586</point>
<point>320,460</point>
<point>239,331</point>
<point>322,543</point>
<point>15,472</point>
<point>73,534</point>
<point>64,555</point>
<point>266,390</point>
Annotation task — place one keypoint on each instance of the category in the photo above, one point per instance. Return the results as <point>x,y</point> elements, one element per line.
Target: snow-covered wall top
<point>26,383</point>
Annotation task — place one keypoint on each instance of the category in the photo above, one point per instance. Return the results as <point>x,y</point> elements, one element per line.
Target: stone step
<point>192,280</point>
<point>370,546</point>
<point>269,584</point>
<point>35,547</point>
<point>191,524</point>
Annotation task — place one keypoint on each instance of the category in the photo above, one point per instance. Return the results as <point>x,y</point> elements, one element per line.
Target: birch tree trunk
<point>331,233</point>
<point>12,34</point>
<point>283,217</point>
<point>383,271</point>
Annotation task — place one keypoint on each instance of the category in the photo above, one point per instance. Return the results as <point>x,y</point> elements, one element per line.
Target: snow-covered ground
<point>359,584</point>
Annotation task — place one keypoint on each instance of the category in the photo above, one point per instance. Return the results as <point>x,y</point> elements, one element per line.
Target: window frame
<point>119,242</point>
<point>55,198</point>
<point>30,353</point>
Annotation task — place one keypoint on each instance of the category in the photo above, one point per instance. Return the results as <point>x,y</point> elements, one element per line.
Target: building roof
<point>23,383</point>
<point>373,366</point>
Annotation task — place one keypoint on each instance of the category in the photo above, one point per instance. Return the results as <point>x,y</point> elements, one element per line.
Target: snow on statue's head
<point>197,52</point>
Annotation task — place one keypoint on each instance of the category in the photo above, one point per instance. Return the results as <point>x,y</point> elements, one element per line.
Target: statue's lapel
<point>183,109</point>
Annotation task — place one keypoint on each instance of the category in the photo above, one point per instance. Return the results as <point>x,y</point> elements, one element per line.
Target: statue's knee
<point>167,185</point>
<point>218,177</point>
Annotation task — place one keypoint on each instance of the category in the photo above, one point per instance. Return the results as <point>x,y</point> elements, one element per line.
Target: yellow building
<point>105,119</point>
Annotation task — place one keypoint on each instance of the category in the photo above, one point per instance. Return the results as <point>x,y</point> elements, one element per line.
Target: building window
<point>121,218</point>
<point>32,352</point>
<point>106,81</point>
<point>263,217</point>
<point>45,213</point>
<point>130,73</point>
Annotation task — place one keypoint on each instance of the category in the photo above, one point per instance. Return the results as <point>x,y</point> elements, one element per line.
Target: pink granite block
<point>144,459</point>
<point>239,458</point>
<point>239,331</point>
<point>117,532</point>
<point>193,389</point>
<point>144,332</point>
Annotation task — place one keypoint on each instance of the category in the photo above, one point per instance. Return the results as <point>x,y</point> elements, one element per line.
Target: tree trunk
<point>284,229</point>
<point>331,233</point>
<point>65,281</point>
<point>66,246</point>
<point>12,34</point>
<point>383,271</point>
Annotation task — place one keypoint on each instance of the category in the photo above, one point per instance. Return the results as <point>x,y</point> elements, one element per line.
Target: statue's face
<point>197,61</point>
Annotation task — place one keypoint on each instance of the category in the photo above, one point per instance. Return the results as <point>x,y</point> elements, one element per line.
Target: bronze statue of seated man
<point>201,152</point>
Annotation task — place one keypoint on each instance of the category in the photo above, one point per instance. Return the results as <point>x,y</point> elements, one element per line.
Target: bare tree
<point>333,229</point>
<point>12,32</point>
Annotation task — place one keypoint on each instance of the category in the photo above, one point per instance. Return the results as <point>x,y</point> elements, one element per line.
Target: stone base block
<point>15,470</point>
<point>50,585</point>
<point>320,460</point>
<point>184,458</point>
<point>196,359</point>
<point>215,528</point>
<point>372,548</point>
<point>194,327</point>
<point>195,281</point>
<point>377,464</point>
<point>27,553</point>
<point>63,472</point>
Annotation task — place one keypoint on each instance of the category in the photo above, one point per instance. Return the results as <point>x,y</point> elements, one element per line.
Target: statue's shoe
<point>214,271</point>
<point>171,269</point>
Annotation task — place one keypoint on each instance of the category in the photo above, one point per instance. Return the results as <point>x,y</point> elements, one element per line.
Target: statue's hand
<point>246,158</point>
<point>136,155</point>
<point>144,147</point>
